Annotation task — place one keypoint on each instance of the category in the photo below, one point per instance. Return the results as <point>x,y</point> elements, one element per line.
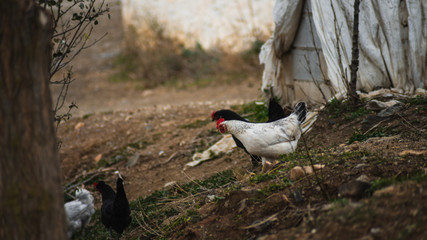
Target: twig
<point>375,126</point>
<point>319,183</point>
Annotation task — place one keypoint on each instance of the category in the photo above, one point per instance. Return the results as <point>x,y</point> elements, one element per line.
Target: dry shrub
<point>154,58</point>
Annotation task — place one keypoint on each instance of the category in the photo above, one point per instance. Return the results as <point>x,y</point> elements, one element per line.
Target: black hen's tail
<point>301,111</point>
<point>275,111</point>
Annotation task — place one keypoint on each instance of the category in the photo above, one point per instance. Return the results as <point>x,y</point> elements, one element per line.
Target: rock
<point>98,158</point>
<point>296,173</point>
<point>161,153</point>
<point>133,160</point>
<point>299,172</point>
<point>361,165</point>
<point>79,125</point>
<point>379,105</point>
<point>363,178</point>
<point>390,111</point>
<point>353,189</point>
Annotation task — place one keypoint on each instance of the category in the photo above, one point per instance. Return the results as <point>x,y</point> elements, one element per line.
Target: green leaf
<point>109,17</point>
<point>96,22</point>
<point>82,5</point>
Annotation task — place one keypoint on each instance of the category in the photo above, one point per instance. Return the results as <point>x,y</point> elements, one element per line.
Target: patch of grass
<point>359,136</point>
<point>152,57</point>
<point>359,112</point>
<point>196,124</point>
<point>338,108</point>
<point>255,111</point>
<point>95,230</point>
<point>418,100</point>
<point>127,64</point>
<point>261,178</point>
<point>86,116</point>
<point>153,210</point>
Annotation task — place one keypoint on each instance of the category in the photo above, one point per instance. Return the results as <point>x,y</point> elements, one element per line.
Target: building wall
<point>307,65</point>
<point>230,24</point>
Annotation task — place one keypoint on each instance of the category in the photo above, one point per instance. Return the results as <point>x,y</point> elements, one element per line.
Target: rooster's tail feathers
<point>301,111</point>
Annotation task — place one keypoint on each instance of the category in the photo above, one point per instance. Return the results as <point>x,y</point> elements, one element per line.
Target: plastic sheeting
<point>286,16</point>
<point>392,43</point>
<point>285,28</point>
<point>271,84</point>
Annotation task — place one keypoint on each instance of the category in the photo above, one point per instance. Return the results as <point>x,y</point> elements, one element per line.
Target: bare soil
<point>116,121</point>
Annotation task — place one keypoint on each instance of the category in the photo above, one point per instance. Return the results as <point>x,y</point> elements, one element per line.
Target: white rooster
<point>268,140</point>
<point>79,211</point>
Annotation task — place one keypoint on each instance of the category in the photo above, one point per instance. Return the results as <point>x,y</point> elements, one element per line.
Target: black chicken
<point>115,207</point>
<point>275,112</point>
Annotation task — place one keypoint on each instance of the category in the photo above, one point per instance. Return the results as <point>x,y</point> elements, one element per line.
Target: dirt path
<point>93,92</point>
<point>122,114</point>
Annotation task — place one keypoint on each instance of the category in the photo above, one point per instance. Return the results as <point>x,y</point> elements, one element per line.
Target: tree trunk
<point>31,199</point>
<point>354,98</point>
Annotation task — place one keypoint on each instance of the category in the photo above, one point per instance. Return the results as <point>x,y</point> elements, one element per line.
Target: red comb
<point>219,122</point>
<point>95,184</point>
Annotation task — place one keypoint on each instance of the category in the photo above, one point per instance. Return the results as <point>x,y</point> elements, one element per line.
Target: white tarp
<point>285,27</point>
<point>392,42</point>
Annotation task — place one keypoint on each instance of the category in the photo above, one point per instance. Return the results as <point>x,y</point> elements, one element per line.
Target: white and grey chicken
<point>79,211</point>
<point>268,140</point>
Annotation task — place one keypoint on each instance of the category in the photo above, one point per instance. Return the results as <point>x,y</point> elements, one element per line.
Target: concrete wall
<point>306,56</point>
<point>230,24</point>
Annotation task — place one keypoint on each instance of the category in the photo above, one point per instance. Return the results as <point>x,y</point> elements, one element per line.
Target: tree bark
<point>31,199</point>
<point>354,98</point>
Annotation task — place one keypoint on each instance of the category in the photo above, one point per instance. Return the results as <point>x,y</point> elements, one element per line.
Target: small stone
<point>296,173</point>
<point>299,172</point>
<point>98,157</point>
<point>133,160</point>
<point>211,197</point>
<point>79,125</point>
<point>361,165</point>
<point>375,231</point>
<point>390,111</point>
<point>353,189</point>
<point>363,178</point>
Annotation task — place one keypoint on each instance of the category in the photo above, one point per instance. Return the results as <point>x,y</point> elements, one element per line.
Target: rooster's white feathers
<point>268,140</point>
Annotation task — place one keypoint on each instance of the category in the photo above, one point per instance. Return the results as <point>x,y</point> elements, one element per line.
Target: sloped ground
<point>238,205</point>
<point>149,136</point>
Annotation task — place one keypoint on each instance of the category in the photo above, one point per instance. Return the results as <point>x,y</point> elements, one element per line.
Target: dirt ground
<point>149,136</point>
<point>121,113</point>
